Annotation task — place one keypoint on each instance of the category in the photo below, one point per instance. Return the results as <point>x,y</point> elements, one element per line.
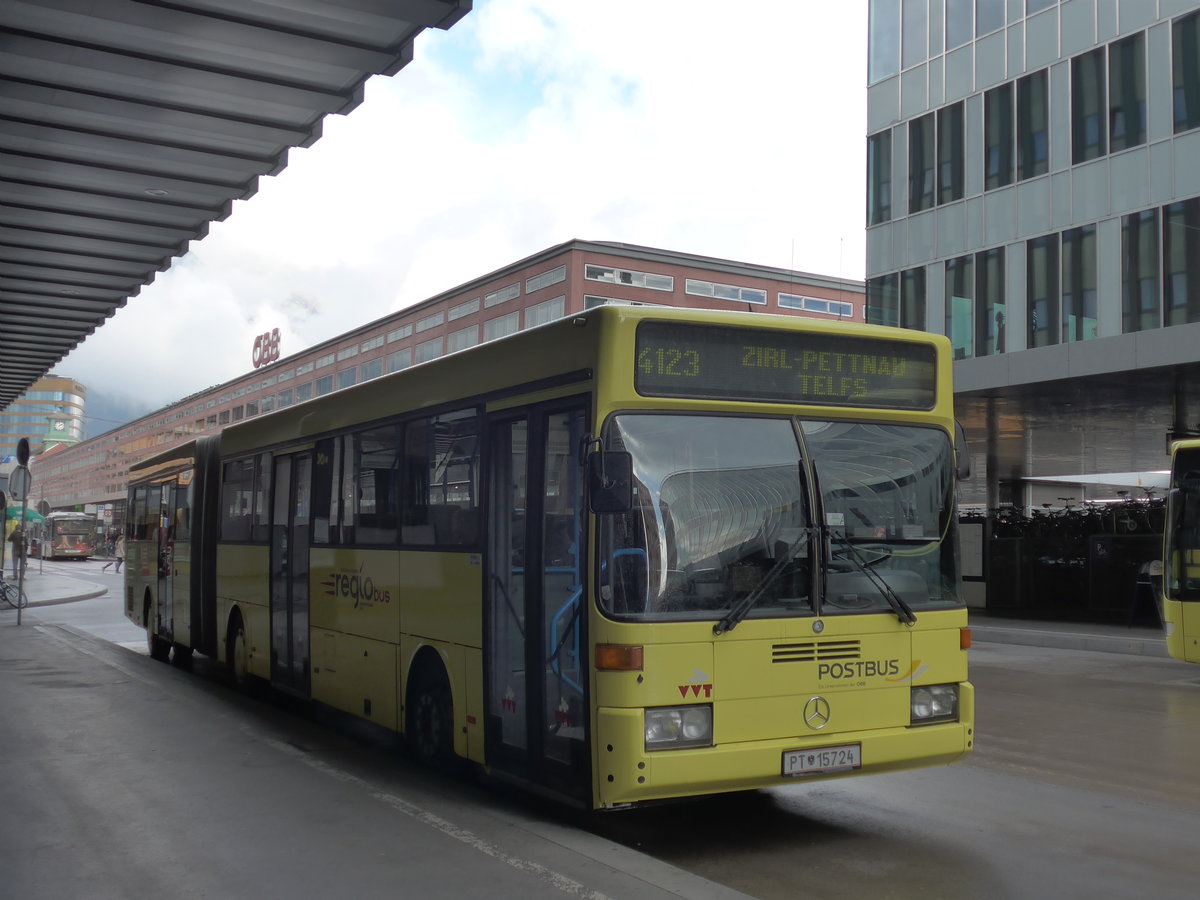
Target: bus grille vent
<point>815,651</point>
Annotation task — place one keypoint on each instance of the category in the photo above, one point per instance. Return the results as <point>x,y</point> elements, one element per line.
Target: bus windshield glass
<point>1183,534</point>
<point>720,512</point>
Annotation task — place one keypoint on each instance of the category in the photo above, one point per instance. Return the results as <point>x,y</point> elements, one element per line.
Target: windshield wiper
<point>747,603</point>
<point>903,611</point>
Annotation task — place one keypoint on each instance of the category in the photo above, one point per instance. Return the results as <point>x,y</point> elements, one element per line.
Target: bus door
<point>164,551</point>
<point>535,646</point>
<point>290,537</point>
<point>174,596</point>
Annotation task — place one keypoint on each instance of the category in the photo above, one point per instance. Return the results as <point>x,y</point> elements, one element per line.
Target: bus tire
<point>181,656</point>
<point>237,661</point>
<point>159,648</point>
<point>430,717</point>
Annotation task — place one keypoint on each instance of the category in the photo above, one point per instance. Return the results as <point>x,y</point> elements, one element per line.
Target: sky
<point>675,124</point>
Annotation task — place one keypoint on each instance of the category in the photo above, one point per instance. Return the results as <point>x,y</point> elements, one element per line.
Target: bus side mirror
<point>610,481</point>
<point>962,452</point>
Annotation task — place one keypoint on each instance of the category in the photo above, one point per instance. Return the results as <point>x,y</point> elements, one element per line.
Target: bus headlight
<point>934,703</point>
<point>672,727</point>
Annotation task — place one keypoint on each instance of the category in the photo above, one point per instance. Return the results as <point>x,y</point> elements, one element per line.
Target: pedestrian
<point>118,555</point>
<point>17,539</point>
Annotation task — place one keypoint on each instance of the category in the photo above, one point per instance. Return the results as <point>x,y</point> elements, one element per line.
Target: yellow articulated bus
<point>630,555</point>
<point>1181,554</point>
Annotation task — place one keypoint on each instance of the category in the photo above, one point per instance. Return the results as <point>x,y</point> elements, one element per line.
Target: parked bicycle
<point>11,596</point>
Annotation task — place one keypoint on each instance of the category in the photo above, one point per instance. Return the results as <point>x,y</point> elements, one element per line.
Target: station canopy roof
<point>127,126</point>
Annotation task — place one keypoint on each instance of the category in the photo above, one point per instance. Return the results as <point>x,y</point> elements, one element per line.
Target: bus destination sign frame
<point>687,361</point>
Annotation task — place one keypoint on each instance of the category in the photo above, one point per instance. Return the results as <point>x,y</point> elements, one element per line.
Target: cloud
<point>530,122</point>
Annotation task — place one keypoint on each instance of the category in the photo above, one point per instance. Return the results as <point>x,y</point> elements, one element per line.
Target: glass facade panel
<point>1139,271</point>
<point>1127,93</point>
<point>1079,284</point>
<point>1033,136</point>
<point>1041,288</point>
<point>1089,137</point>
<point>998,137</point>
<point>959,25</point>
<point>1185,71</point>
<point>883,39</point>
<point>920,164</point>
<point>1032,6</point>
<point>915,36</point>
<point>950,153</point>
<point>879,178</point>
<point>989,16</point>
<point>960,306</point>
<point>1181,262</point>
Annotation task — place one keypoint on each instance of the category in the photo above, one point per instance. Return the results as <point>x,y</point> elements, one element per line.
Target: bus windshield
<point>1183,531</point>
<point>720,501</point>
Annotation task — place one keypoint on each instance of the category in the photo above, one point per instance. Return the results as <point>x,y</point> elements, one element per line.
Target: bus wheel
<point>236,656</point>
<point>159,649</point>
<point>430,723</point>
<point>181,656</point>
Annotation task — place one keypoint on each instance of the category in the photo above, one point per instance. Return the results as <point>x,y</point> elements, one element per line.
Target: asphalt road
<point>1083,784</point>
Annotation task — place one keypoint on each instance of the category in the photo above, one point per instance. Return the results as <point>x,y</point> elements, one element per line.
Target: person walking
<point>17,539</point>
<point>118,555</point>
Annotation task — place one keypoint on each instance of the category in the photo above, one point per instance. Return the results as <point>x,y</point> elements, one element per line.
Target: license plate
<point>822,759</point>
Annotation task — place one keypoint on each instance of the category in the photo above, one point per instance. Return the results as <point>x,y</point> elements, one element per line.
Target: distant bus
<point>634,554</point>
<point>1181,554</point>
<point>68,535</point>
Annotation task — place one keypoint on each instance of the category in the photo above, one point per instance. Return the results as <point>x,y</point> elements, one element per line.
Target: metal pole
<point>24,560</point>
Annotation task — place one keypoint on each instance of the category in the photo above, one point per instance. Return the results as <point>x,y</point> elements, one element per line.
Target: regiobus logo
<point>348,584</point>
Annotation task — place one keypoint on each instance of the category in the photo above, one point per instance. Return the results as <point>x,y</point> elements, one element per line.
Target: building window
<point>1139,271</point>
<point>285,398</point>
<point>883,300</point>
<point>1181,262</point>
<point>374,342</point>
<point>959,26</point>
<point>399,334</point>
<point>495,298</point>
<point>1033,6</point>
<point>912,298</point>
<point>914,42</point>
<point>345,353</point>
<point>879,178</point>
<point>950,153</point>
<point>429,350</point>
<point>304,391</point>
<point>432,321</point>
<point>651,280</point>
<point>998,137</point>
<point>501,326</point>
<point>463,309</point>
<point>1079,284</point>
<point>223,417</point>
<point>1033,136</point>
<point>1041,286</point>
<point>729,292</point>
<point>1088,104</point>
<point>324,385</point>
<point>883,39</point>
<point>920,164</point>
<point>542,313</point>
<point>991,310</point>
<point>1127,93</point>
<point>324,361</point>
<point>372,369</point>
<point>461,340</point>
<point>1185,71</point>
<point>591,301</point>
<point>401,359</point>
<point>304,369</point>
<point>960,306</point>
<point>838,308</point>
<point>545,279</point>
<point>346,378</point>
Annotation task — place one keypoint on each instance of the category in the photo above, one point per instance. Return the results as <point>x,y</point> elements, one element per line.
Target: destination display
<point>706,361</point>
